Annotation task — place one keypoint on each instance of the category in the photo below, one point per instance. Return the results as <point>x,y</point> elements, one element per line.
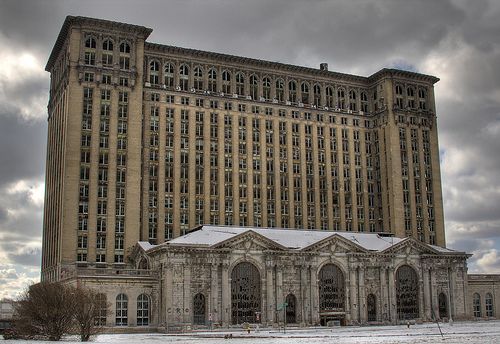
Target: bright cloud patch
<point>23,81</point>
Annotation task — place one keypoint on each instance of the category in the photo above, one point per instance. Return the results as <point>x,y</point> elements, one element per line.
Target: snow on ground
<point>487,332</point>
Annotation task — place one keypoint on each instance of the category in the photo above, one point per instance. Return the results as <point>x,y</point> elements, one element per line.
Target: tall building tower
<point>148,141</point>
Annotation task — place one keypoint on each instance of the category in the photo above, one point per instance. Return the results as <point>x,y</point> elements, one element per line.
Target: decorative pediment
<point>249,241</point>
<point>410,247</point>
<point>334,244</point>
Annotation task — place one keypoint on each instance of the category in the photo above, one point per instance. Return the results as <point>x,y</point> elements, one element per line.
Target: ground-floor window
<point>291,315</point>
<point>121,310</point>
<point>489,305</point>
<point>476,305</point>
<point>443,306</point>
<point>199,309</point>
<point>371,304</point>
<point>102,310</point>
<point>407,293</point>
<point>142,310</point>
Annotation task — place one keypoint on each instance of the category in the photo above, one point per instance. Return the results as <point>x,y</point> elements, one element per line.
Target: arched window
<point>266,88</point>
<point>317,95</point>
<point>142,310</point>
<point>168,74</point>
<point>476,305</point>
<point>240,84</point>
<point>154,72</point>
<point>254,87</point>
<point>371,305</point>
<point>304,89</point>
<point>212,80</point>
<point>410,92</point>
<point>245,293</point>
<point>364,102</point>
<point>184,77</point>
<point>352,100</point>
<point>422,98</point>
<point>407,293</point>
<point>292,91</point>
<point>121,310</point>
<point>226,81</point>
<point>329,97</point>
<point>124,56</point>
<point>199,309</point>
<point>280,90</point>
<point>443,305</point>
<point>102,310</point>
<point>89,55</point>
<point>331,289</point>
<point>90,42</point>
<point>107,45</point>
<point>124,48</point>
<point>291,309</point>
<point>341,98</point>
<point>488,301</point>
<point>198,78</point>
<point>399,96</point>
<point>107,53</point>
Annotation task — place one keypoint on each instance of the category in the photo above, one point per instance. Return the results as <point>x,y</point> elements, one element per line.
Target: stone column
<point>421,305</point>
<point>453,283</point>
<point>427,294</point>
<point>214,289</point>
<point>303,295</point>
<point>354,294</point>
<point>434,294</point>
<point>279,297</point>
<point>168,291</point>
<point>226,295</point>
<point>188,300</point>
<point>392,296</point>
<point>362,296</point>
<point>314,296</point>
<point>270,294</point>
<point>384,298</point>
<point>347,302</point>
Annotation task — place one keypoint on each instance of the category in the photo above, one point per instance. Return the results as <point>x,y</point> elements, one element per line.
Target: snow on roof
<point>145,245</point>
<point>209,235</point>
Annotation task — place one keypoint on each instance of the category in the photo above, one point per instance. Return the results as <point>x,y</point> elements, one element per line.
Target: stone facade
<point>148,141</point>
<point>368,277</point>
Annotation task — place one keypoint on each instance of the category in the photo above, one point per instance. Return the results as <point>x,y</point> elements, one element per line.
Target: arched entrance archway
<point>245,293</point>
<point>199,309</point>
<point>331,294</point>
<point>407,293</point>
<point>443,306</point>
<point>371,305</point>
<point>291,315</point>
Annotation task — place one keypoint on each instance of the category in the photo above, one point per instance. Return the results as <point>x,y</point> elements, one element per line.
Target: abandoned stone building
<point>194,187</point>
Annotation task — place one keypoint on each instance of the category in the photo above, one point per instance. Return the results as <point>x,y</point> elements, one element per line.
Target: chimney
<point>323,66</point>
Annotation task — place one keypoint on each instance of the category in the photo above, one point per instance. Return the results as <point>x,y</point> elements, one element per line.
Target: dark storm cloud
<point>22,148</point>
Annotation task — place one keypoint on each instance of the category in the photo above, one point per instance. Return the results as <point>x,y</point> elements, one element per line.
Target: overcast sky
<point>457,41</point>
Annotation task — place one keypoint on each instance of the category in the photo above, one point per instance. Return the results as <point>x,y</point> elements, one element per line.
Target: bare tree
<point>46,310</point>
<point>90,306</point>
<point>51,310</point>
